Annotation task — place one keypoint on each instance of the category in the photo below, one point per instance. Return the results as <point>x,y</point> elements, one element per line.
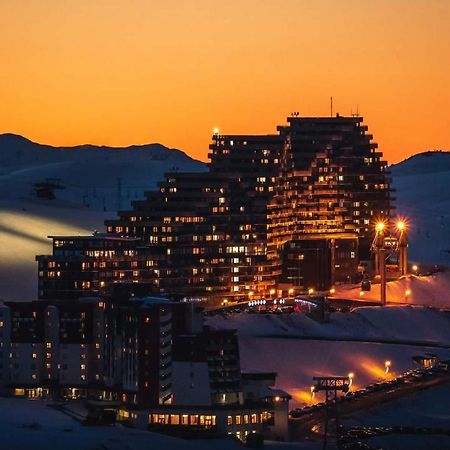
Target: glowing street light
<point>387,366</point>
<point>313,391</point>
<point>351,375</point>
<point>415,268</point>
<point>379,227</point>
<point>361,293</point>
<point>332,291</point>
<point>291,291</point>
<point>216,131</point>
<point>310,291</point>
<point>407,293</point>
<point>401,226</point>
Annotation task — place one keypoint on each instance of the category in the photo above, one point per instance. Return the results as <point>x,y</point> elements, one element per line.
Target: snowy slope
<point>298,348</point>
<point>432,290</point>
<point>297,361</point>
<point>100,180</point>
<point>31,425</point>
<point>423,196</point>
<point>404,324</point>
<point>97,180</point>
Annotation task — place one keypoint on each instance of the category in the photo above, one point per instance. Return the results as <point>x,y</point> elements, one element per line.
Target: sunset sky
<point>138,71</point>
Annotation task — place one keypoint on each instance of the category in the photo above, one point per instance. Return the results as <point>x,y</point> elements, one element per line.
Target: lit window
<point>194,419</point>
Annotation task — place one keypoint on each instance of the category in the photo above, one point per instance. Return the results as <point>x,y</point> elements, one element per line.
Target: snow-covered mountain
<point>95,181</point>
<point>422,184</point>
<point>97,178</point>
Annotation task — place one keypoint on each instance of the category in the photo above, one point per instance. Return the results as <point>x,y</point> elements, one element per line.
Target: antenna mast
<point>331,106</point>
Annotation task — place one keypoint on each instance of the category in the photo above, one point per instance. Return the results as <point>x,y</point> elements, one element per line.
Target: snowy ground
<point>298,348</point>
<point>405,324</point>
<point>26,424</point>
<point>432,290</point>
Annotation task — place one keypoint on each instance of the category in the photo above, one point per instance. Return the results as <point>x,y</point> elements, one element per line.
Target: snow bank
<point>26,424</point>
<point>392,323</point>
<point>432,290</point>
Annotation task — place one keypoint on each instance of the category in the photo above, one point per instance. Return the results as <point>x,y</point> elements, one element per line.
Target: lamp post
<point>387,366</point>
<point>380,254</point>
<point>402,247</point>
<point>407,294</point>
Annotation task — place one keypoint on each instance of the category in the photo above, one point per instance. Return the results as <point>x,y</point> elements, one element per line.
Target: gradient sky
<point>137,71</point>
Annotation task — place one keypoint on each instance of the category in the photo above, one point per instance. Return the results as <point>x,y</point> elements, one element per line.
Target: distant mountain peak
<point>429,161</point>
<point>13,146</point>
<point>11,137</point>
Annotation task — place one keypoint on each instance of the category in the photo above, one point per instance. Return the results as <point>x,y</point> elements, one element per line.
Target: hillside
<point>298,348</point>
<point>422,195</point>
<point>96,181</point>
<point>96,178</point>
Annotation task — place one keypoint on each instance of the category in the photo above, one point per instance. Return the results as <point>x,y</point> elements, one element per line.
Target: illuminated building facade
<point>273,213</point>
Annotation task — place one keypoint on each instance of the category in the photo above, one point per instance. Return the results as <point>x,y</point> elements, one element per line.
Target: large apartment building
<point>273,214</point>
<point>150,360</point>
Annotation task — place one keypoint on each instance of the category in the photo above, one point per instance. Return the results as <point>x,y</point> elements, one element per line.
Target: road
<point>302,426</point>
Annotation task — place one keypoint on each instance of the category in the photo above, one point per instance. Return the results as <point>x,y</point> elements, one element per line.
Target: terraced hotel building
<point>274,214</point>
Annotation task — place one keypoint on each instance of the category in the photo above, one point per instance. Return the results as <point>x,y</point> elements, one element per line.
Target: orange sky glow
<point>120,72</point>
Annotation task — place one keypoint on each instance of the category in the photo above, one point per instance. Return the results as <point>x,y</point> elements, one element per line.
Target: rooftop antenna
<point>355,114</point>
<point>331,106</point>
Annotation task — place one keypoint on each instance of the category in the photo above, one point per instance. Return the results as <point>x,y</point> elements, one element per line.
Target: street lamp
<point>415,268</point>
<point>387,366</point>
<point>310,291</point>
<point>401,226</point>
<point>291,292</point>
<point>332,291</point>
<point>313,391</point>
<point>216,131</point>
<point>380,258</point>
<point>407,294</point>
<point>351,375</point>
<point>379,227</point>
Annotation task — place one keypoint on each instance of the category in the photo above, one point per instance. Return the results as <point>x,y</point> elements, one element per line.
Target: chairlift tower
<point>331,386</point>
<point>386,244</point>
